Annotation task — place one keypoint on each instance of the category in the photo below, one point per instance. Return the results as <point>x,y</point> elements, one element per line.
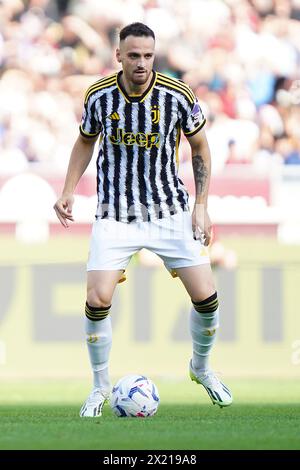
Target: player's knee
<point>96,298</point>
<point>208,305</point>
<point>97,305</point>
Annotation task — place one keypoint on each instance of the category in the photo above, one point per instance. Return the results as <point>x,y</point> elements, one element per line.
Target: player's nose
<point>141,64</point>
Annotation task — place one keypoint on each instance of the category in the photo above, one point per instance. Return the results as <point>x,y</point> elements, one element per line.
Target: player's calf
<point>204,322</point>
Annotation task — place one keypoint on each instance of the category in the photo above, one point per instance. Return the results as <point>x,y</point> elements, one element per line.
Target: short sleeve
<point>192,118</point>
<point>90,125</point>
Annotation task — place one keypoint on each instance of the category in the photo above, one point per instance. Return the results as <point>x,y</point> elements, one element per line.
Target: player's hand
<point>63,209</point>
<point>201,224</point>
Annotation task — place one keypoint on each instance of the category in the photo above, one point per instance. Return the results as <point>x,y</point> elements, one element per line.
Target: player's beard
<point>140,79</point>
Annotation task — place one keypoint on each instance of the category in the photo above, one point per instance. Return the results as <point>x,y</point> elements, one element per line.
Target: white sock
<point>99,340</point>
<point>203,330</point>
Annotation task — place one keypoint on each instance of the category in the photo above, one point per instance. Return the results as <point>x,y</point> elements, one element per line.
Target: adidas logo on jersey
<point>114,116</point>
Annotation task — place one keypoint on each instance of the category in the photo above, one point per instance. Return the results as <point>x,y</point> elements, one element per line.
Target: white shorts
<point>114,243</point>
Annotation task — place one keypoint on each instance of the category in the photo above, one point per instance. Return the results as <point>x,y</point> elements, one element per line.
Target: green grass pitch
<point>44,415</point>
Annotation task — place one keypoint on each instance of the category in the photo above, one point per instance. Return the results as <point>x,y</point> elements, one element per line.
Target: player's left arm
<point>201,161</point>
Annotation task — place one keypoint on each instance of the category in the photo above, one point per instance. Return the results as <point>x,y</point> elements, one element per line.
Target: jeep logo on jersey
<point>141,139</point>
<point>155,114</point>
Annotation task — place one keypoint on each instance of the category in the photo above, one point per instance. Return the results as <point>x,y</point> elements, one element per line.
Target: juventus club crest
<point>155,114</point>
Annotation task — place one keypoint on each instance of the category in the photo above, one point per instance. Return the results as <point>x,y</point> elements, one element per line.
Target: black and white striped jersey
<point>137,164</point>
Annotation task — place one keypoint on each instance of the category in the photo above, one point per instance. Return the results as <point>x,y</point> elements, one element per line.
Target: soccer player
<point>138,115</point>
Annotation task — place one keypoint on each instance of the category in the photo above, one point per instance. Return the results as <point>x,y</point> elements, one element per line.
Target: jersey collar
<point>135,99</point>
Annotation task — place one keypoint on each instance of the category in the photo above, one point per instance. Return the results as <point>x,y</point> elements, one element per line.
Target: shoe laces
<point>213,377</point>
<point>95,396</point>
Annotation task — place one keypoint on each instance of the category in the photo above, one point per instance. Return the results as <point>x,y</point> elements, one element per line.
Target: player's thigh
<point>198,281</point>
<point>101,285</point>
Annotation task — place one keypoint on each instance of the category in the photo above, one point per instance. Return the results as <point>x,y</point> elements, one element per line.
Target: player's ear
<point>118,55</point>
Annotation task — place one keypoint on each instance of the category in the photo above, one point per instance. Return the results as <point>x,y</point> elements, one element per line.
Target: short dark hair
<point>136,29</point>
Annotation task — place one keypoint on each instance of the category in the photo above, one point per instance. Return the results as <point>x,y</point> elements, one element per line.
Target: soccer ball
<point>134,395</point>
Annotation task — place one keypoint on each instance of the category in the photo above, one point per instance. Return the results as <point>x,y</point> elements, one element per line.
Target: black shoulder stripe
<point>178,83</point>
<point>101,80</point>
<point>103,83</point>
<point>179,89</point>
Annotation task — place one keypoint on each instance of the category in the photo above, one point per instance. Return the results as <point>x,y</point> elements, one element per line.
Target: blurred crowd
<point>241,57</point>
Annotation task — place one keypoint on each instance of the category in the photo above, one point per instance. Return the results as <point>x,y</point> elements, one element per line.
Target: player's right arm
<point>80,158</point>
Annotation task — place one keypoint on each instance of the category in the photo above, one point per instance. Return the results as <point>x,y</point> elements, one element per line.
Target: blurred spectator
<point>289,149</point>
<point>240,56</point>
<point>234,157</point>
<point>222,257</point>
